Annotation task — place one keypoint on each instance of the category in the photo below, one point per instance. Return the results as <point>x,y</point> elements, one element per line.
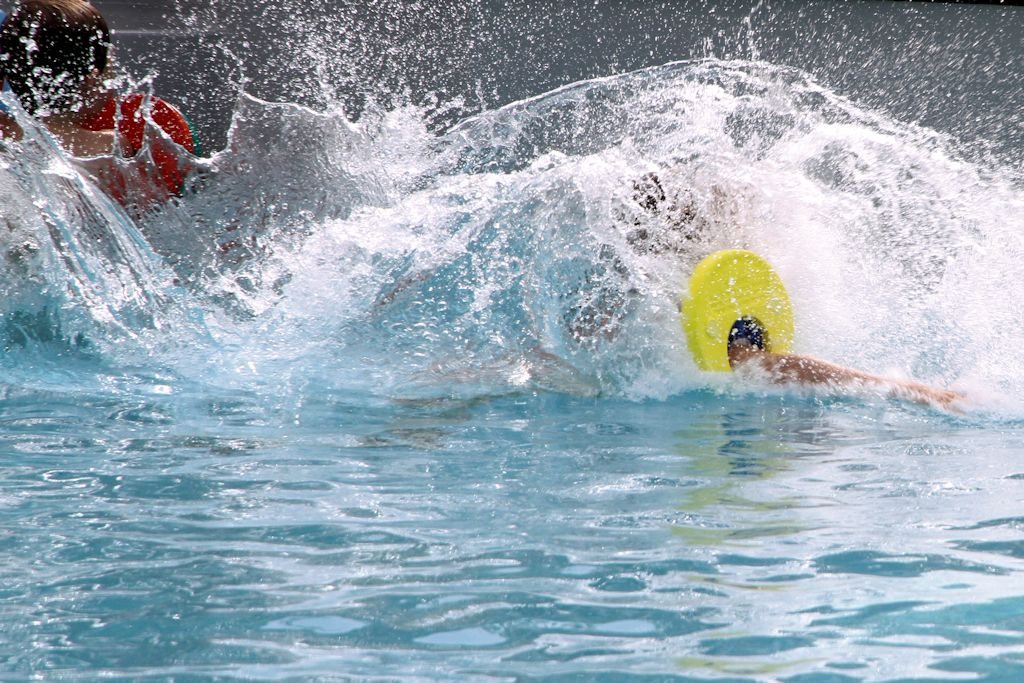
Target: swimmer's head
<point>51,52</point>
<point>748,331</point>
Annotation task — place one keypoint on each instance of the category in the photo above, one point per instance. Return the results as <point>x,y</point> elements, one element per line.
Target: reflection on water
<point>833,548</point>
<point>729,450</point>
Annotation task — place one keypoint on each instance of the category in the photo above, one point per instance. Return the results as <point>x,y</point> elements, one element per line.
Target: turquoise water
<point>373,402</point>
<point>705,537</point>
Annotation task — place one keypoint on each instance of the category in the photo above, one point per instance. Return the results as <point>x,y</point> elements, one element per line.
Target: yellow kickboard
<point>725,287</point>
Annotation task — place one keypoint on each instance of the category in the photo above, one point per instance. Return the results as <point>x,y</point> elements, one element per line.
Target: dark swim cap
<point>749,330</point>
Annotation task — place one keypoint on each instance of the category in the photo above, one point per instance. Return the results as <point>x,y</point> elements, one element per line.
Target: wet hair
<point>48,48</point>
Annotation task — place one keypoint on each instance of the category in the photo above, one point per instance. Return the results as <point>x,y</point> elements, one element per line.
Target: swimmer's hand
<point>786,368</point>
<point>944,399</point>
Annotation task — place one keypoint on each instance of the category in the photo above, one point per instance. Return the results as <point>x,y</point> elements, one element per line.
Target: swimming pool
<point>518,538</point>
<point>388,400</point>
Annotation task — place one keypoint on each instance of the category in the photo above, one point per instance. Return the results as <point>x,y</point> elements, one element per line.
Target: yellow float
<point>735,288</point>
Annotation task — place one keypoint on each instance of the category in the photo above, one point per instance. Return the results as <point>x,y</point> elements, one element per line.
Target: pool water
<point>376,402</point>
<point>535,536</point>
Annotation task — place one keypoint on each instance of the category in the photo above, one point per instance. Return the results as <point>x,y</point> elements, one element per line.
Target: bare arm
<point>785,368</point>
<point>80,142</point>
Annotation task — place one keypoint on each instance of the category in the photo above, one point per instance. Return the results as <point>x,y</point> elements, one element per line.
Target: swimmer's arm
<point>787,368</point>
<point>75,140</point>
<point>78,141</point>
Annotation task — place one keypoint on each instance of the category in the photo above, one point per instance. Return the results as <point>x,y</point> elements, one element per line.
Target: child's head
<point>52,52</point>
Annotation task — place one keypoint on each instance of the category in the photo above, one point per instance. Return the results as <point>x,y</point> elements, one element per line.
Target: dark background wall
<point>958,68</point>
